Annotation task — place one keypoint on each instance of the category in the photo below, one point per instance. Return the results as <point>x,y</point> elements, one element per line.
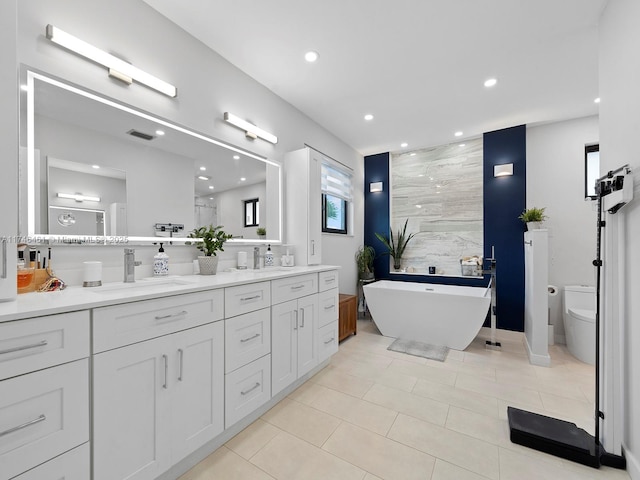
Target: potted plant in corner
<point>261,232</point>
<point>533,217</point>
<point>396,246</point>
<point>364,259</point>
<point>209,240</point>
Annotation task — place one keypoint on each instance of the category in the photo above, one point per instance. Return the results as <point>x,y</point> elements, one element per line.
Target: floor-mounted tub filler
<point>445,315</point>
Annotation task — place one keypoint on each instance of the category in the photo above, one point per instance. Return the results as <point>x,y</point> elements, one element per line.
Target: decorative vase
<point>366,275</point>
<point>208,265</point>
<point>397,264</point>
<point>534,226</point>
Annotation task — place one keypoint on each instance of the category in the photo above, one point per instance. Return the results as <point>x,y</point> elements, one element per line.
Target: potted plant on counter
<point>396,246</point>
<point>209,240</point>
<point>364,259</point>
<point>533,217</point>
<point>261,232</point>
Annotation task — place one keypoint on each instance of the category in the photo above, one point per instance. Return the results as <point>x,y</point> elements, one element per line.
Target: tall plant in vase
<point>209,240</point>
<point>396,245</point>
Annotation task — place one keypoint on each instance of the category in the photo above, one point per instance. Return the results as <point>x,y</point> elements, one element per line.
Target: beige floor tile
<point>426,372</point>
<point>517,466</point>
<point>223,463</point>
<point>365,356</point>
<point>408,403</point>
<point>574,408</point>
<point>561,387</point>
<point>500,391</point>
<point>370,476</point>
<point>601,473</point>
<point>307,392</point>
<point>368,415</point>
<point>447,471</point>
<point>455,396</point>
<point>379,455</point>
<point>469,453</point>
<point>253,438</point>
<point>336,379</point>
<point>383,376</point>
<point>287,457</point>
<point>302,421</point>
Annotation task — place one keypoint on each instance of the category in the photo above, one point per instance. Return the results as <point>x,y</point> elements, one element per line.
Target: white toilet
<point>579,314</point>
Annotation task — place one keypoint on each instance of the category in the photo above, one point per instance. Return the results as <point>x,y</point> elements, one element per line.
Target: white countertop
<point>78,298</point>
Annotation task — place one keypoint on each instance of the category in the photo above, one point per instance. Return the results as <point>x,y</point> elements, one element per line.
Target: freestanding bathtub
<point>444,315</point>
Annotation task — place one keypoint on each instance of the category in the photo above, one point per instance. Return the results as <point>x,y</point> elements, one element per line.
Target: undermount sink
<point>143,284</point>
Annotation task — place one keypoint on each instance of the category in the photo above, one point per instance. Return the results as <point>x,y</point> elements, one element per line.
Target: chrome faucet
<point>256,257</point>
<point>129,265</point>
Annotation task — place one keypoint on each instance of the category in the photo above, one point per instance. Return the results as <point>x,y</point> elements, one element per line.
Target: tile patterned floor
<point>375,414</point>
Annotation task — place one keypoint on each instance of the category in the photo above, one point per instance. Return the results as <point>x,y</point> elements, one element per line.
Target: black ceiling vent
<point>144,136</point>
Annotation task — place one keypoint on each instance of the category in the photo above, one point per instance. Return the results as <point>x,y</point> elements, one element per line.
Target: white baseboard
<point>535,359</point>
<point>633,464</point>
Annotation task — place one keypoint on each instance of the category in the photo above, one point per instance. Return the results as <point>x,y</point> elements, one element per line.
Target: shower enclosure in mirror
<point>97,171</point>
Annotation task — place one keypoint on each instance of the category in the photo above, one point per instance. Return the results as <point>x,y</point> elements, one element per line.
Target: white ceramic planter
<point>534,226</point>
<point>208,265</point>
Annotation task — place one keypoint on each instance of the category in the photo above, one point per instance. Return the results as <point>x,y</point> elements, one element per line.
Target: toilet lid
<point>583,314</point>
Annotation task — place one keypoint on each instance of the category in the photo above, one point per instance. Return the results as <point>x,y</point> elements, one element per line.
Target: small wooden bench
<point>347,323</point>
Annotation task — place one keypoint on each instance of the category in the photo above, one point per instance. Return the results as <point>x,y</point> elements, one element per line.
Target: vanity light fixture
<point>78,197</point>
<point>250,130</point>
<point>504,170</point>
<point>117,68</point>
<point>375,187</point>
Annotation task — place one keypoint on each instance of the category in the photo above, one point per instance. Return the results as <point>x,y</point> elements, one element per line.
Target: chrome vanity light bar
<point>117,68</point>
<point>250,129</point>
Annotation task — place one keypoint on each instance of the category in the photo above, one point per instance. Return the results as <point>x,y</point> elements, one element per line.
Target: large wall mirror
<point>97,171</point>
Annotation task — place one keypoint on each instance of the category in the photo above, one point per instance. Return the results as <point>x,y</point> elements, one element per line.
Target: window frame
<point>255,206</point>
<point>345,209</point>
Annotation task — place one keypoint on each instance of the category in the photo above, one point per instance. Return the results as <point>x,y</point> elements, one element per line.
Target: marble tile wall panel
<point>439,190</point>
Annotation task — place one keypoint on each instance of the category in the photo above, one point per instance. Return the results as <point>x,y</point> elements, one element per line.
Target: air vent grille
<point>144,136</point>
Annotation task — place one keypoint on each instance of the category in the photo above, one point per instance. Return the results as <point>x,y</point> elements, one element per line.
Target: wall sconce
<point>79,197</point>
<point>118,68</point>
<point>375,187</point>
<point>250,130</point>
<point>503,170</point>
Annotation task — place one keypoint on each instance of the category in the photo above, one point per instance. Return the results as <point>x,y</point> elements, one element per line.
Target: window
<point>337,195</point>
<point>591,170</point>
<point>252,212</point>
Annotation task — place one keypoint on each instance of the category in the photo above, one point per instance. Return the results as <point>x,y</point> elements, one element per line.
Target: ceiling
<point>418,66</point>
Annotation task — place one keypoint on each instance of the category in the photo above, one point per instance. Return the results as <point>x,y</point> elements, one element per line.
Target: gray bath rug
<point>419,349</point>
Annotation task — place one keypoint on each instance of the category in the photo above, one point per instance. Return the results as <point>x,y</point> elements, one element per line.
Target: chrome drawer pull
<point>295,325</point>
<point>180,356</point>
<point>297,287</point>
<point>251,389</point>
<point>171,315</point>
<point>245,299</point>
<point>41,418</point>
<point>330,280</point>
<point>330,307</point>
<point>330,340</point>
<point>24,347</point>
<point>165,359</point>
<point>302,321</point>
<point>250,338</point>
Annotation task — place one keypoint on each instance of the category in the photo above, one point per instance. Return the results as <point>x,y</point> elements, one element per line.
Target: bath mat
<point>419,349</point>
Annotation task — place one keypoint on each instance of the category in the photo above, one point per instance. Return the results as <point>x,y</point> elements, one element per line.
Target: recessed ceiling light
<point>412,154</point>
<point>236,157</point>
<point>160,132</point>
<point>418,206</point>
<point>24,88</point>
<point>202,169</point>
<point>203,177</point>
<point>597,100</point>
<point>311,56</point>
<point>243,179</point>
<point>210,187</point>
<point>462,145</point>
<point>458,134</point>
<point>95,166</point>
<point>368,117</point>
<point>490,82</point>
<point>210,198</point>
<point>421,175</point>
<point>404,145</point>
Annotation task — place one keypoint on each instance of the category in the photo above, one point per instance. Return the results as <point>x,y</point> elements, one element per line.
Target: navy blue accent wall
<point>504,200</point>
<point>376,208</point>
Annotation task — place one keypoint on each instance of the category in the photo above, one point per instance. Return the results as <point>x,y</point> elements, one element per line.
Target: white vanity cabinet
<point>156,401</point>
<point>302,170</point>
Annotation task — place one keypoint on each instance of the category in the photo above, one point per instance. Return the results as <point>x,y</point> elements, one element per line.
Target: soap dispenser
<point>268,257</point>
<point>160,263</point>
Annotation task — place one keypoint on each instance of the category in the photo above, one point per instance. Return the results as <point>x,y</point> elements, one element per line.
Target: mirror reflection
<point>101,169</point>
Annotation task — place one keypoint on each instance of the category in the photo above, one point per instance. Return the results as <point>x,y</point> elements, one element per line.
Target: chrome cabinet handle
<point>24,347</point>
<point>41,418</point>
<point>165,359</point>
<point>244,299</point>
<point>313,247</point>
<point>330,307</point>
<point>242,340</point>
<point>295,325</point>
<point>297,287</point>
<point>171,315</point>
<point>330,340</point>
<point>180,358</point>
<point>330,280</point>
<point>4,259</point>
<point>251,389</point>
<point>302,321</point>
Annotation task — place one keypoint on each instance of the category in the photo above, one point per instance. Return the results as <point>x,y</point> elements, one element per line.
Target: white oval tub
<point>444,315</point>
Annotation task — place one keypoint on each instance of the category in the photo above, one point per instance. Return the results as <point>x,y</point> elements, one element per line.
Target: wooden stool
<point>347,323</point>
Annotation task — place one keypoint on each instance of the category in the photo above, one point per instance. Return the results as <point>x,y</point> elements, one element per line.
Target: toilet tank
<point>579,296</point>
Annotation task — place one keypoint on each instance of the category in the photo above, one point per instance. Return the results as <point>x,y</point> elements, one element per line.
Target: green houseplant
<point>364,259</point>
<point>261,232</point>
<point>396,246</point>
<point>209,240</point>
<point>533,217</point>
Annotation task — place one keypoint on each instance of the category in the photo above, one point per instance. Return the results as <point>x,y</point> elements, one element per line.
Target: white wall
<point>231,209</point>
<point>207,86</point>
<point>555,180</point>
<point>619,128</point>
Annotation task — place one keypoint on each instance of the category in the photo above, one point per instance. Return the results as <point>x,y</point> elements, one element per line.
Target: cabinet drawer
<point>246,338</point>
<point>246,298</point>
<point>137,321</point>
<point>328,307</point>
<point>327,341</point>
<point>36,343</point>
<point>246,389</point>
<point>42,415</point>
<point>327,280</point>
<point>285,289</point>
<point>73,465</point>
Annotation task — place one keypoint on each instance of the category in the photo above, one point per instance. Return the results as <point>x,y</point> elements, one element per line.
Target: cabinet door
<point>196,386</point>
<point>307,326</point>
<point>131,411</point>
<point>73,465</point>
<point>314,219</point>
<point>284,345</point>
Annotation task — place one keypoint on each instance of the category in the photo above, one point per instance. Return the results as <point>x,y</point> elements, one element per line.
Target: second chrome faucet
<point>130,263</point>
